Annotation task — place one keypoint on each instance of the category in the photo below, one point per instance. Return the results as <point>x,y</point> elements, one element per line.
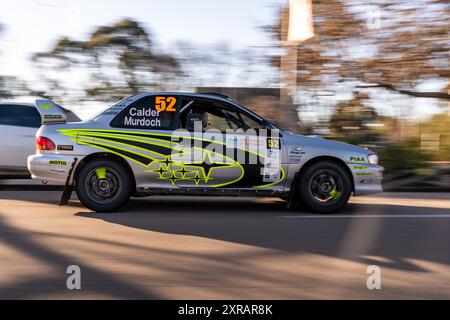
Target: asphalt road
<point>230,248</point>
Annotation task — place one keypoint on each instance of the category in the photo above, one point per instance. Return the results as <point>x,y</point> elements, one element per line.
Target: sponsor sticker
<point>360,167</point>
<point>57,163</point>
<point>248,142</point>
<point>65,147</point>
<point>114,110</point>
<point>358,159</point>
<point>52,116</point>
<point>57,171</point>
<point>233,141</point>
<point>46,106</point>
<point>295,154</point>
<point>271,177</point>
<point>364,173</point>
<point>271,170</point>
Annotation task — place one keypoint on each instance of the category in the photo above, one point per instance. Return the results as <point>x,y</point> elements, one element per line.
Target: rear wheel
<point>103,185</point>
<point>324,187</point>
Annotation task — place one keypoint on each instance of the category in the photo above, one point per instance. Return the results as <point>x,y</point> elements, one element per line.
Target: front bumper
<point>368,178</point>
<point>50,167</point>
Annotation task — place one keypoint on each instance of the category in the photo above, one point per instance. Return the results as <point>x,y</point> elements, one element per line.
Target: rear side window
<point>155,112</point>
<point>22,116</point>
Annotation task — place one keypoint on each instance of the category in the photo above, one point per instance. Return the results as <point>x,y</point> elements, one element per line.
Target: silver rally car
<point>194,144</point>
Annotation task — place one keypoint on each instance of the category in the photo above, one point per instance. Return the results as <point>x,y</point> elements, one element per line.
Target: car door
<point>233,153</point>
<point>18,126</point>
<point>142,134</point>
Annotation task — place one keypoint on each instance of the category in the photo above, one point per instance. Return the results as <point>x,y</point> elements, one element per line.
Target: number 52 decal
<point>165,104</point>
<point>273,143</point>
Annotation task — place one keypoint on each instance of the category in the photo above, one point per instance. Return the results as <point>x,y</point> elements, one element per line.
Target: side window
<point>154,112</point>
<point>251,124</point>
<point>212,114</point>
<point>219,120</point>
<point>22,116</point>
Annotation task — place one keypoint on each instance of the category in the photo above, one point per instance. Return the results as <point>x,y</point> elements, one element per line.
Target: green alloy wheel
<point>103,185</point>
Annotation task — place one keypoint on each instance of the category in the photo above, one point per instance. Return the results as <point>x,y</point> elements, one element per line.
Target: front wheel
<point>324,187</point>
<point>103,185</point>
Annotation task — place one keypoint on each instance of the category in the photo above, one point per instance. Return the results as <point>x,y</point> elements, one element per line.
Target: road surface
<point>224,248</point>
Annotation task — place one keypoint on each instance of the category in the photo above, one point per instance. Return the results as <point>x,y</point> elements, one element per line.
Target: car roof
<point>207,95</point>
<point>210,95</point>
<point>6,103</point>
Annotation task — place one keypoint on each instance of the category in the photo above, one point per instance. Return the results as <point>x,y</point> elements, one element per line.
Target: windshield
<point>265,121</point>
<point>272,124</point>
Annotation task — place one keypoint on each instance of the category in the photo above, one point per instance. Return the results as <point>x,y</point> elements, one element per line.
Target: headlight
<point>373,159</point>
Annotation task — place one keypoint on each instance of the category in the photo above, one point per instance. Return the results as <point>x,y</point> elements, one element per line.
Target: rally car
<point>194,144</point>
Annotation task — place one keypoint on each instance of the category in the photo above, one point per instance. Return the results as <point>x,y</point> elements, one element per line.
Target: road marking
<point>404,202</point>
<point>347,216</point>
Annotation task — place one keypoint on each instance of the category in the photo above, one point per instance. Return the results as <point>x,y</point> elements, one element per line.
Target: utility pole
<point>288,60</point>
<point>296,27</point>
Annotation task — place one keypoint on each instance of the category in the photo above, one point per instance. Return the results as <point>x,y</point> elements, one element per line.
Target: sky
<point>34,25</point>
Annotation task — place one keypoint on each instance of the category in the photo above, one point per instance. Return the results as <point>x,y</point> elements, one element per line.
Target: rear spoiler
<point>52,113</point>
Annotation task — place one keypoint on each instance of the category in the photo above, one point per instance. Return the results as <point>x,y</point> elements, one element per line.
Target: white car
<point>19,123</point>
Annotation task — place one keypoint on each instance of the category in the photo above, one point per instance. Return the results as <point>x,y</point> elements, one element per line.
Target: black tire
<point>103,185</point>
<point>324,187</point>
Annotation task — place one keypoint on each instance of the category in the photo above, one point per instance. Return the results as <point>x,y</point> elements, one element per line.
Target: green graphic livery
<point>172,162</point>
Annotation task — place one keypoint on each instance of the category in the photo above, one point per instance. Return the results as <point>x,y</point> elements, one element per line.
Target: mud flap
<point>68,187</point>
<point>293,203</point>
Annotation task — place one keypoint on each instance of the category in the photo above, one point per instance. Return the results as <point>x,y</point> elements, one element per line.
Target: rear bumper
<point>368,178</point>
<point>49,167</point>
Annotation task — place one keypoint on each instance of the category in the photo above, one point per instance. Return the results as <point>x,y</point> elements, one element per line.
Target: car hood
<point>318,142</point>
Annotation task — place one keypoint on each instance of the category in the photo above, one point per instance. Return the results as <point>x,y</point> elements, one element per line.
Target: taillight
<point>43,143</point>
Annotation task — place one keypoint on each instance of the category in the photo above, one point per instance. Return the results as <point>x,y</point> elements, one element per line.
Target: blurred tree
<point>396,157</point>
<point>356,122</point>
<point>2,91</point>
<point>220,65</point>
<point>446,105</point>
<point>11,86</point>
<point>121,60</point>
<point>390,44</point>
<point>439,127</point>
